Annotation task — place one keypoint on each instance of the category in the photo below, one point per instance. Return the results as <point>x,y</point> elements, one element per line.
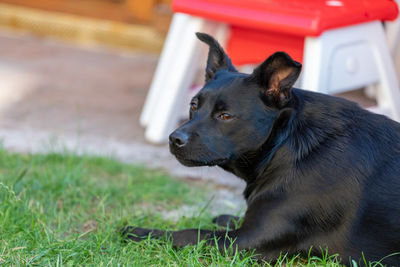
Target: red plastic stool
<point>340,42</point>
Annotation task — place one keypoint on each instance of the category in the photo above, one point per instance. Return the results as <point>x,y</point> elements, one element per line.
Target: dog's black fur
<point>321,172</point>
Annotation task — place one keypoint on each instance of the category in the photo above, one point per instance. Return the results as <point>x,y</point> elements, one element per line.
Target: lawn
<point>66,210</point>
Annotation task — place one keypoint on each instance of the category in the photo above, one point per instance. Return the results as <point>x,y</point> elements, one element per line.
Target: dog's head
<point>234,113</point>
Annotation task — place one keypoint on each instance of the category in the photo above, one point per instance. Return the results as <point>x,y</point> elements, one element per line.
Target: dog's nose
<point>178,138</point>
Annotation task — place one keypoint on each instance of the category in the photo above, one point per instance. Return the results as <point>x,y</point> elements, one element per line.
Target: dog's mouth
<point>196,156</point>
<point>191,160</point>
<point>197,162</point>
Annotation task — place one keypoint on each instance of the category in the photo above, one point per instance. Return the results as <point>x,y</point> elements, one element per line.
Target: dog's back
<point>351,159</point>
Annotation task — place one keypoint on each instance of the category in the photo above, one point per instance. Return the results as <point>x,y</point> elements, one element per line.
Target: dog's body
<point>320,171</point>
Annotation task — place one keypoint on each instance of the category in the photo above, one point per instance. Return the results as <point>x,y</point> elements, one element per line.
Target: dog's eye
<point>225,116</point>
<point>193,106</point>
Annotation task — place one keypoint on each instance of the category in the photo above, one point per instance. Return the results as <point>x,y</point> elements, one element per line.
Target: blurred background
<point>130,24</point>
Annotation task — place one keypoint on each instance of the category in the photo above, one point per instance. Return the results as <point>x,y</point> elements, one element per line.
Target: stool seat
<point>301,18</point>
<point>259,27</point>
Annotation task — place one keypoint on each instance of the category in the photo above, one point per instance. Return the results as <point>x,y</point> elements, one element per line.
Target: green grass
<point>66,210</point>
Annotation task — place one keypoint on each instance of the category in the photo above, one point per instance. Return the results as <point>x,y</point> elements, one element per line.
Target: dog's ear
<point>217,59</point>
<point>276,75</point>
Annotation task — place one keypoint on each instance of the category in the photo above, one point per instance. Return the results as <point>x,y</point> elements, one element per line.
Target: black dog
<point>321,172</point>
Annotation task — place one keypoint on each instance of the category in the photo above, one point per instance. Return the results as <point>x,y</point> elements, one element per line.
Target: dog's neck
<point>261,168</point>
<point>266,168</point>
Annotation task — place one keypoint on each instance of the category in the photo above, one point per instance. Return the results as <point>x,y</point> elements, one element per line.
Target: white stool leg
<point>312,77</point>
<point>177,69</point>
<point>163,71</point>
